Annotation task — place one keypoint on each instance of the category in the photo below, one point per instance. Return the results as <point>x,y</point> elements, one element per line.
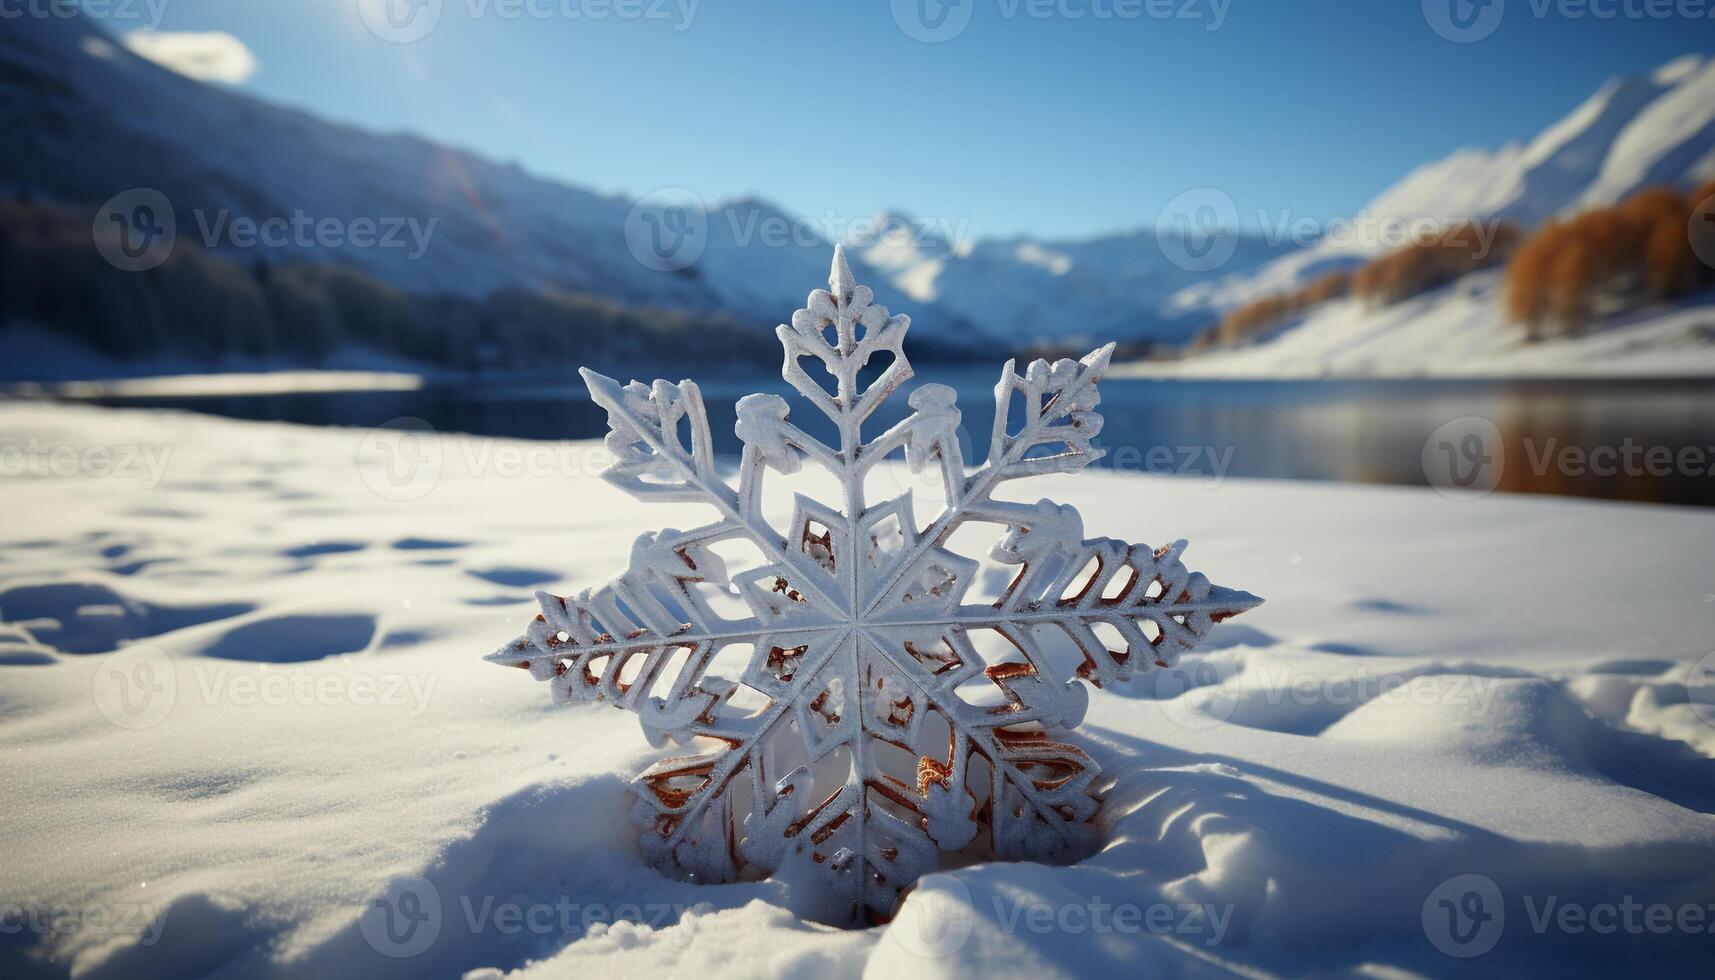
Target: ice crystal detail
<point>875,733</point>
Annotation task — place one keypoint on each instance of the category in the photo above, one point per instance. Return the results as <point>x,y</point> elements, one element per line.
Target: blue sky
<point>1027,121</point>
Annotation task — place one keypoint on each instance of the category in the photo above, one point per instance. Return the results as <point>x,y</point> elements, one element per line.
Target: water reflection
<point>1591,439</point>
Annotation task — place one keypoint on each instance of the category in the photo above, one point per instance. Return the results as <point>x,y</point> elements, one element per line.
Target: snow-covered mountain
<point>1025,289</point>
<point>1460,331</point>
<point>1634,132</point>
<point>85,119</point>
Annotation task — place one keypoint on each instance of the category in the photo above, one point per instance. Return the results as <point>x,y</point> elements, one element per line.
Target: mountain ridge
<point>87,118</point>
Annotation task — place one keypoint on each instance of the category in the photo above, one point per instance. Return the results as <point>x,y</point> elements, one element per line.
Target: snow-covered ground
<point>1459,331</point>
<point>297,722</point>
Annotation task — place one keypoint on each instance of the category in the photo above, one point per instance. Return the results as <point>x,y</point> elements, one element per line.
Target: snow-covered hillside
<point>1655,129</point>
<point>1459,331</point>
<point>86,119</point>
<point>1024,289</point>
<point>297,733</point>
<point>1635,132</point>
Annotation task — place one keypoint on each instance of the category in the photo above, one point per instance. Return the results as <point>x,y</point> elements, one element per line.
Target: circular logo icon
<point>1464,21</point>
<point>1198,230</point>
<point>1700,688</point>
<point>933,21</point>
<point>935,921</point>
<point>136,687</point>
<point>1463,459</point>
<point>1192,695</point>
<point>404,920</point>
<point>1701,231</point>
<point>1463,917</point>
<point>135,230</point>
<point>400,21</point>
<point>400,459</point>
<point>667,229</point>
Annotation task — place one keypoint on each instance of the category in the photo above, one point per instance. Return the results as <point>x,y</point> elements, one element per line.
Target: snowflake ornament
<point>869,730</point>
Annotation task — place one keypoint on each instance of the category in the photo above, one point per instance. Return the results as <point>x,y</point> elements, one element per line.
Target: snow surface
<point>1460,331</point>
<point>333,735</point>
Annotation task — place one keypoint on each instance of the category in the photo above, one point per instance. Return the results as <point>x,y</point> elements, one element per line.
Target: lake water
<point>1642,441</point>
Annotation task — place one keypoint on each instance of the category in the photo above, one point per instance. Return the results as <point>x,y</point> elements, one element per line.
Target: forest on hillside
<point>210,308</point>
<point>1561,279</point>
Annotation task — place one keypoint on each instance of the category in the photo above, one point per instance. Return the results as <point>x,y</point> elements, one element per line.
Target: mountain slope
<point>1633,133</point>
<point>86,119</point>
<point>1460,331</point>
<point>1025,288</point>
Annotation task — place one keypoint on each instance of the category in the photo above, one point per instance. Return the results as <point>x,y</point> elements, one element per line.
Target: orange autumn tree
<point>1433,260</point>
<point>1254,317</point>
<point>1607,259</point>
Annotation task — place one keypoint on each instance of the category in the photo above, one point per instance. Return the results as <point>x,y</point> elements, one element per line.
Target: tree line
<point>1559,280</point>
<point>1607,260</point>
<point>210,308</point>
